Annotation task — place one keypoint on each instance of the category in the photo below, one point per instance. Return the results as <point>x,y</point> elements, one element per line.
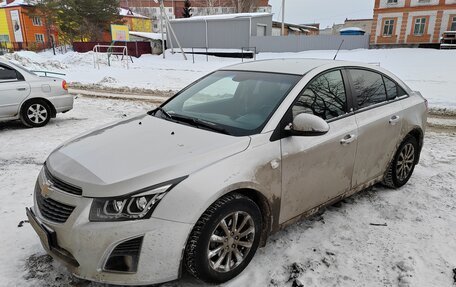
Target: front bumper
<point>84,246</point>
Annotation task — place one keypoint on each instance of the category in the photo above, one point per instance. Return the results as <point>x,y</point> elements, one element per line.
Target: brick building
<point>412,22</point>
<point>20,30</point>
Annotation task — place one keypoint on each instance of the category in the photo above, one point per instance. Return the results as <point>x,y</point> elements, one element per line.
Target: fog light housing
<point>124,257</point>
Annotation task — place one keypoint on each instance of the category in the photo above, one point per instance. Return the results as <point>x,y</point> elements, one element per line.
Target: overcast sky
<point>325,12</point>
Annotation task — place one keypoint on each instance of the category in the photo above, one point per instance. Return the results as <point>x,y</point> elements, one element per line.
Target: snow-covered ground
<point>340,247</point>
<point>430,71</point>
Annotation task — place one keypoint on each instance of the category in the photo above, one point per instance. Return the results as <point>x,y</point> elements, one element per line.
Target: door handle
<point>348,139</point>
<point>21,89</point>
<point>394,120</point>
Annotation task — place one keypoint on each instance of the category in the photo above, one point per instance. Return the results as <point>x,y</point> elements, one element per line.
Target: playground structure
<point>111,50</point>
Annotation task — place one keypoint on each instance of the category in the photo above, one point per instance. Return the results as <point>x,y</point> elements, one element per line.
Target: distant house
<point>155,40</point>
<point>19,29</point>
<point>412,22</point>
<point>293,29</point>
<point>135,21</point>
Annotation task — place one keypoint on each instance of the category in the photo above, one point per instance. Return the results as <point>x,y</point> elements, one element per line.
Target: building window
<point>420,25</point>
<point>453,24</point>
<point>4,38</point>
<point>39,38</point>
<point>170,10</point>
<point>388,28</point>
<point>392,2</point>
<point>37,21</point>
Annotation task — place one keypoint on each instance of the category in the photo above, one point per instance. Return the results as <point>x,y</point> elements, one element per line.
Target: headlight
<point>138,206</point>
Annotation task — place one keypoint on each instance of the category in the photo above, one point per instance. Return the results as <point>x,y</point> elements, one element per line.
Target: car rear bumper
<point>62,103</point>
<point>85,247</point>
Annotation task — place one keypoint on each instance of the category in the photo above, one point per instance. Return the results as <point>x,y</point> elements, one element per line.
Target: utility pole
<point>161,29</point>
<point>169,33</point>
<point>283,17</point>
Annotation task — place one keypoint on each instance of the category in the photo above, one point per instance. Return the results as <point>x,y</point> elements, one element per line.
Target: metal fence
<point>304,43</point>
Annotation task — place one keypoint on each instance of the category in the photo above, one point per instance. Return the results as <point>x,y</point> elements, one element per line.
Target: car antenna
<point>340,46</point>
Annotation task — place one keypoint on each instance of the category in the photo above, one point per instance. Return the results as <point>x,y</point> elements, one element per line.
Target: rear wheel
<point>224,239</point>
<point>403,164</point>
<point>35,113</point>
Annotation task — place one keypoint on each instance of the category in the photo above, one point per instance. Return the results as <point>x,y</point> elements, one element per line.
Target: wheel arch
<point>266,213</point>
<point>53,110</point>
<point>265,207</point>
<point>418,134</point>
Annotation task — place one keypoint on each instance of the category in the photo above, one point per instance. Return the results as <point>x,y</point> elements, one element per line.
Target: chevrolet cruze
<point>199,183</point>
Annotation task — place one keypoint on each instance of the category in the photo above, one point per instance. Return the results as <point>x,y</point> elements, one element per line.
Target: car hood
<point>136,153</point>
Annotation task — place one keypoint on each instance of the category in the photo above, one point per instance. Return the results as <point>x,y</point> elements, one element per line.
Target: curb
<point>133,97</point>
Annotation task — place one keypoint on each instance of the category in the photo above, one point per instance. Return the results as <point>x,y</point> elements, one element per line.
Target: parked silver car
<point>199,183</point>
<point>32,99</point>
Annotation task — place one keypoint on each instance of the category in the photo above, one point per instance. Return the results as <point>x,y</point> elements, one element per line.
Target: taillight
<point>64,85</point>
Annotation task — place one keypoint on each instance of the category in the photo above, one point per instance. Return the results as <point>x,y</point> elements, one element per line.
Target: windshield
<point>232,102</point>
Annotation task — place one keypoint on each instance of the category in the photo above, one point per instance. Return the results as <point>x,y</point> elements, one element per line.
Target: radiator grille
<point>60,184</point>
<point>53,210</point>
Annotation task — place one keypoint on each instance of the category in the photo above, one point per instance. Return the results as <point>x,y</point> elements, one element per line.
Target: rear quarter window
<point>393,90</point>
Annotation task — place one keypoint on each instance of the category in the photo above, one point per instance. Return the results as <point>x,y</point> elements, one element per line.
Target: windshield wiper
<point>200,123</point>
<point>164,112</point>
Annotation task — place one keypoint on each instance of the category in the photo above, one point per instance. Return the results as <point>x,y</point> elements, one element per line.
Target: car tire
<point>35,113</point>
<point>215,254</point>
<point>403,164</point>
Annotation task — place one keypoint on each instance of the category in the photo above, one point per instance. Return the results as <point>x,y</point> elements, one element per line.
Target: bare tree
<point>245,6</point>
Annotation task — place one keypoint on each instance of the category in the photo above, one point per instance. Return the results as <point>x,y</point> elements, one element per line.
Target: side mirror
<point>308,125</point>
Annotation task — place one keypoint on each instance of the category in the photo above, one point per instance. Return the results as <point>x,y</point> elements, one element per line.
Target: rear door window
<point>368,87</point>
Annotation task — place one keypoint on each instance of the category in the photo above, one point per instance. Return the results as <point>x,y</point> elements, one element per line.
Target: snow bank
<point>426,70</point>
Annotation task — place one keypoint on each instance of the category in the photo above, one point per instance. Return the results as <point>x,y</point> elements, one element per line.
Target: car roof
<point>288,66</point>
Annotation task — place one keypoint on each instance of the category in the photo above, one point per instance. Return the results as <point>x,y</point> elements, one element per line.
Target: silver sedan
<point>199,183</point>
<point>32,99</point>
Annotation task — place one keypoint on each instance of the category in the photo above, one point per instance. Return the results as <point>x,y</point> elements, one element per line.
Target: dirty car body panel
<point>191,164</point>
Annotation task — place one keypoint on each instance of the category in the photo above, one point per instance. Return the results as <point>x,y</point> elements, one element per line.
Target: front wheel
<point>224,239</point>
<point>403,164</point>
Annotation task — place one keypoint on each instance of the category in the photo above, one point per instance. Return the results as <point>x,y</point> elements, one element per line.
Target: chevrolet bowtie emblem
<point>45,190</point>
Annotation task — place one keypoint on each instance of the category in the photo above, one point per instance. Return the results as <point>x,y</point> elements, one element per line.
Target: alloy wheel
<point>405,162</point>
<point>37,113</point>
<point>231,241</point>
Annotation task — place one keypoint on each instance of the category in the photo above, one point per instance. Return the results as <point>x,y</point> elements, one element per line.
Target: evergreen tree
<point>187,9</point>
<point>79,19</point>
